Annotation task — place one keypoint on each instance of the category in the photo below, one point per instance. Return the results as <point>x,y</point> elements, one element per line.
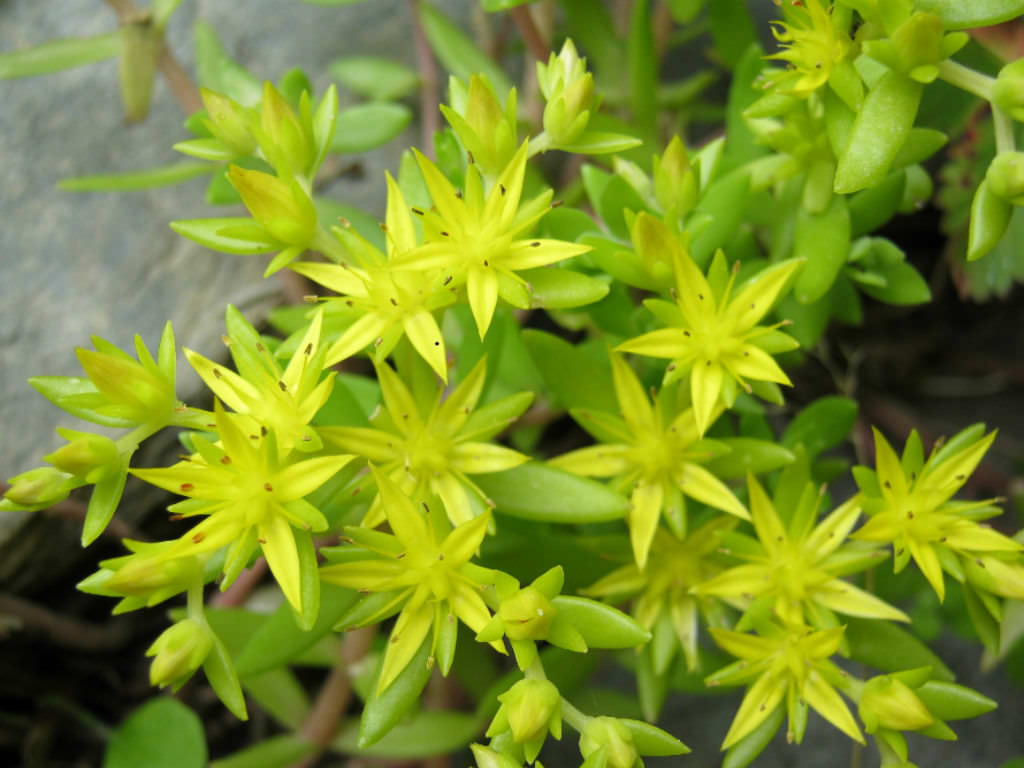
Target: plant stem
<point>64,631</point>
<point>1003,123</point>
<point>429,99</point>
<point>535,42</point>
<point>967,79</point>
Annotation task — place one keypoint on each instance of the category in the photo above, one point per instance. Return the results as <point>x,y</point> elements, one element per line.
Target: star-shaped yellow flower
<point>713,336</point>
<point>251,498</point>
<point>477,238</point>
<point>659,461</point>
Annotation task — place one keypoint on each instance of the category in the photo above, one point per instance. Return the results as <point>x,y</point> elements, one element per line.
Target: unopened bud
<point>615,737</point>
<point>1005,176</point>
<point>283,208</point>
<point>490,758</point>
<point>89,457</point>
<point>39,487</point>
<point>228,122</point>
<point>527,615</point>
<point>1008,92</point>
<point>178,653</point>
<point>888,702</point>
<point>284,140</point>
<point>569,90</point>
<point>528,709</point>
<point>675,183</point>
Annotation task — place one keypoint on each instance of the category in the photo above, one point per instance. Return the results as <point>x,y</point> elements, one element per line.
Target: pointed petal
<point>363,332</point>
<point>406,638</point>
<point>890,471</point>
<point>461,402</point>
<point>348,281</point>
<point>633,400</point>
<point>503,201</point>
<point>463,542</point>
<point>967,534</point>
<point>375,444</point>
<point>705,389</point>
<point>644,513</point>
<point>303,477</point>
<point>595,461</point>
<point>926,559</point>
<point>425,336</point>
<point>278,543</point>
<point>698,483</point>
<point>672,343</point>
<point>693,293</point>
<point>757,297</point>
<point>398,220</point>
<point>482,292</point>
<point>406,521</point>
<point>833,530</point>
<point>754,363</point>
<point>529,254</point>
<point>743,645</point>
<point>477,458</point>
<point>399,401</point>
<point>454,496</point>
<point>752,580</point>
<point>761,700</point>
<point>441,190</point>
<point>843,597</point>
<point>824,699</point>
<point>232,389</point>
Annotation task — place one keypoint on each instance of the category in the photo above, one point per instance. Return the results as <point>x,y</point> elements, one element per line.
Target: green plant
<point>356,452</point>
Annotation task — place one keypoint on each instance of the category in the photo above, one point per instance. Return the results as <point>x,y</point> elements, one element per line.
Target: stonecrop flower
<point>477,238</point>
<point>420,571</point>
<point>251,498</point>
<point>392,302</point>
<point>812,45</point>
<point>284,401</point>
<point>664,589</point>
<point>660,460</point>
<point>798,566</point>
<point>713,336</point>
<point>910,504</point>
<point>435,453</point>
<point>789,663</point>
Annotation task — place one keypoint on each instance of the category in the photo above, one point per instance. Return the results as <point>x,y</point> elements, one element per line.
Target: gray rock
<point>76,264</point>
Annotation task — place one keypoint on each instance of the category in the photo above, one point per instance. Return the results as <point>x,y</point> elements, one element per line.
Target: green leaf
<point>433,732</point>
<point>77,396</point>
<point>748,454</point>
<point>740,144</point>
<point>904,285</point>
<point>723,202</point>
<point>163,176</point>
<point>220,672</point>
<point>732,29</point>
<point>643,70</point>
<point>873,207</point>
<point>162,733</point>
<point>601,143</point>
<point>384,710</point>
<point>279,640</point>
<point>244,235</point>
<point>746,750</point>
<point>275,752</point>
<point>885,646</point>
<point>502,5</point>
<point>535,491</point>
<point>600,625</point>
<point>59,54</point>
<point>554,288</point>
<point>219,72</point>
<point>366,126</point>
<point>949,701</point>
<point>823,239</point>
<point>879,131</point>
<point>651,740</point>
<point>574,378</point>
<point>106,495</point>
<point>823,424</point>
<point>957,14</point>
<point>374,77</point>
<point>280,694</point>
<point>457,52</point>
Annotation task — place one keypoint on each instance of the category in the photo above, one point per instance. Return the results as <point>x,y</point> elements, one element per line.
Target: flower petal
<point>482,292</point>
<point>408,635</point>
<point>824,699</point>
<point>644,513</point>
<point>477,458</point>
<point>761,700</point>
<point>364,331</point>
<point>425,336</point>
<point>595,461</point>
<point>278,543</point>
<point>700,484</point>
<point>843,597</point>
<point>672,343</point>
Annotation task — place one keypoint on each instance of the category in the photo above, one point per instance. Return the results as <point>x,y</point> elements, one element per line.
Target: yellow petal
<point>672,343</point>
<point>463,542</point>
<point>644,513</point>
<point>756,298</point>
<point>926,559</point>
<point>364,331</point>
<point>399,401</point>
<point>595,461</point>
<point>401,233</point>
<point>278,543</point>
<point>761,700</point>
<point>698,483</point>
<point>482,292</point>
<point>891,479</point>
<point>843,597</point>
<point>705,389</point>
<point>425,336</point>
<point>408,635</point>
<point>824,699</point>
<point>477,458</point>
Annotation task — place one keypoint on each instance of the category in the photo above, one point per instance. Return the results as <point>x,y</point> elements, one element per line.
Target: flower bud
<point>40,487</point>
<point>1008,92</point>
<point>228,122</point>
<point>888,702</point>
<point>675,183</point>
<point>569,90</point>
<point>284,209</point>
<point>178,653</point>
<point>611,734</point>
<point>89,457</point>
<point>1005,176</point>
<point>141,43</point>
<point>284,140</point>
<point>529,708</point>
<point>489,758</point>
<point>527,615</point>
<point>151,571</point>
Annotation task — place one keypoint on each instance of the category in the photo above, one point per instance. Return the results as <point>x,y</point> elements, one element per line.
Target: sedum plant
<point>565,246</point>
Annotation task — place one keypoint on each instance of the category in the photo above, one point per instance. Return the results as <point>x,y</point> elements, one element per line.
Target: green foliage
<point>656,297</point>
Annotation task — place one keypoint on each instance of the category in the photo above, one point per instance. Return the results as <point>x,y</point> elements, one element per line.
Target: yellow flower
<point>812,45</point>
<point>909,503</point>
<point>393,302</point>
<point>713,337</point>
<point>477,239</point>
<point>799,565</point>
<point>437,453</point>
<point>251,498</point>
<point>659,461</point>
<point>791,664</point>
<point>428,577</point>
